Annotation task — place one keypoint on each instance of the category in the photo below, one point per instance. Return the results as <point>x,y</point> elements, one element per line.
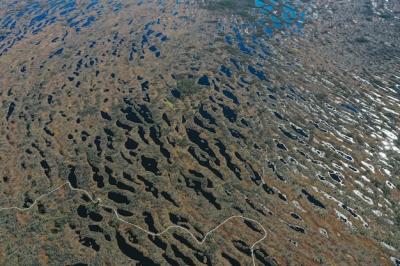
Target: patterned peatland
<point>200,132</point>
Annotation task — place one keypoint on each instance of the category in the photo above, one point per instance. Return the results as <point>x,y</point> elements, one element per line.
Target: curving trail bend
<point>98,200</point>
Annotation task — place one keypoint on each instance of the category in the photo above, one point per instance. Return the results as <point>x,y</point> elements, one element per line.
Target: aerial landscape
<point>200,132</point>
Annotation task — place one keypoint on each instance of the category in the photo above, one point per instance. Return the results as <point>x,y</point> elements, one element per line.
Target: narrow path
<point>98,200</point>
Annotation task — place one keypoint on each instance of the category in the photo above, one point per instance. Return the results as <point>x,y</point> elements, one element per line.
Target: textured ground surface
<point>190,112</point>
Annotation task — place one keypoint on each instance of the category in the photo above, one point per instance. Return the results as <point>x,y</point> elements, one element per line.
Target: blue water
<point>31,18</point>
<point>272,16</point>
